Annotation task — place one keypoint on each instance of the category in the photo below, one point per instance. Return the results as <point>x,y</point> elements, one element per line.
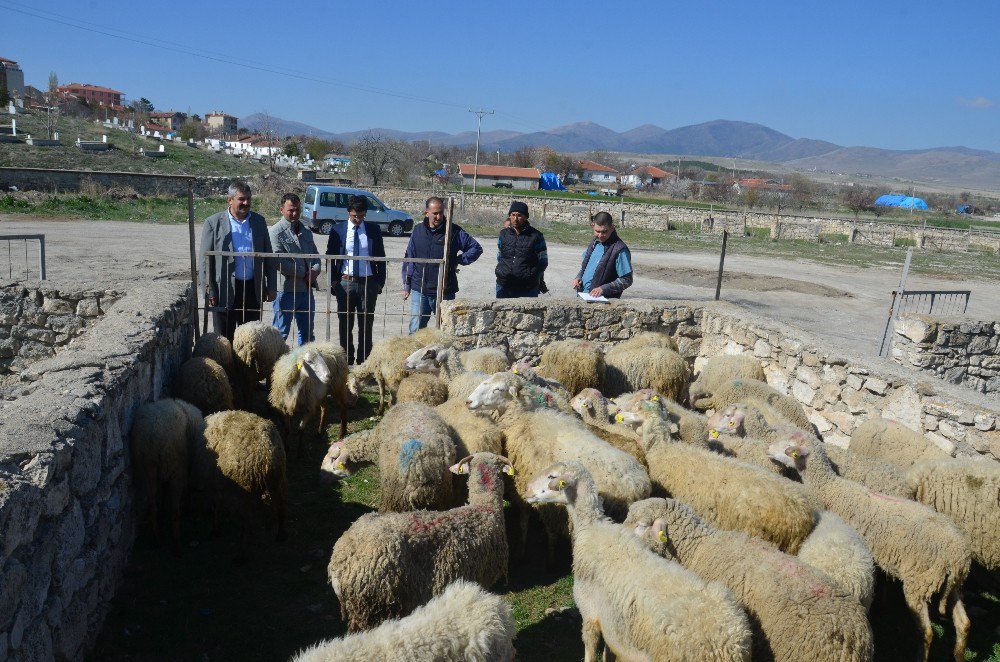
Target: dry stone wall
<point>66,515</point>
<point>837,391</point>
<point>957,350</point>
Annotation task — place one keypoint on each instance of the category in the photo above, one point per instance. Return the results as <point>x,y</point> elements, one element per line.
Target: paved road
<point>845,306</point>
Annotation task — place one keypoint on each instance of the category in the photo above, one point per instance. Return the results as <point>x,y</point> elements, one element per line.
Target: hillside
<point>180,160</point>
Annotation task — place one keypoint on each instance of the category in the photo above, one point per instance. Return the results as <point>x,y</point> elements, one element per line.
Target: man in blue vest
<point>607,263</point>
<point>356,283</point>
<point>522,256</point>
<point>420,279</point>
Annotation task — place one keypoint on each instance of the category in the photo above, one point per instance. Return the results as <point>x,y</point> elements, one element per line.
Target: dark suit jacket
<point>216,271</point>
<point>337,243</point>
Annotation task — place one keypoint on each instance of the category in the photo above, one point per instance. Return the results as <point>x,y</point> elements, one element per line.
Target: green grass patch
<point>759,233</point>
<point>904,242</point>
<point>833,238</point>
<point>596,200</point>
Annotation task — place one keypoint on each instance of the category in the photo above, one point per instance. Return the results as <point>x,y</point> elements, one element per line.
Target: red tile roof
<point>653,171</point>
<point>499,171</point>
<point>157,127</point>
<point>596,167</point>
<point>83,86</point>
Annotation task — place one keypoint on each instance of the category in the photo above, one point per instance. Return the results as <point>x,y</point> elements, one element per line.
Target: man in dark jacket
<point>607,263</point>
<point>356,283</point>
<point>420,279</point>
<point>521,256</point>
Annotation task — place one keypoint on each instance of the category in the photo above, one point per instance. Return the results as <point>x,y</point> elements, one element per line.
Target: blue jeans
<point>512,293</point>
<point>299,305</point>
<point>421,309</point>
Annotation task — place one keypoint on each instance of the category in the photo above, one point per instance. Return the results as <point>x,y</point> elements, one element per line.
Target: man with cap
<point>521,256</point>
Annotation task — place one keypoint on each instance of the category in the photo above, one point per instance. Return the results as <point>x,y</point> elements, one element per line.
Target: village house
<point>102,96</point>
<point>171,119</point>
<point>221,123</point>
<point>592,172</point>
<point>11,78</point>
<point>506,177</point>
<point>645,176</point>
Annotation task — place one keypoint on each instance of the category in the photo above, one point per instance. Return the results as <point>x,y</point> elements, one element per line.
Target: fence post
<point>897,298</point>
<point>41,256</point>
<point>722,264</point>
<point>194,263</point>
<point>443,267</point>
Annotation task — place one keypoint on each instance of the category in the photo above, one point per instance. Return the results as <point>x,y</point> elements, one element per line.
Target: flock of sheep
<point>735,536</point>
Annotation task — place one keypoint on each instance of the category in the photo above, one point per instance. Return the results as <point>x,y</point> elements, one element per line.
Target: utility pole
<point>475,169</point>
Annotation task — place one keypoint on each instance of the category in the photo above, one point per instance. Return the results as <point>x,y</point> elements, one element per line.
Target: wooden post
<point>722,264</point>
<point>443,267</point>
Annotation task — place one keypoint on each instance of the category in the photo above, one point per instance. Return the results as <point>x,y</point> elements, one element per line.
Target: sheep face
<point>336,463</point>
<point>728,421</point>
<point>789,454</point>
<point>585,402</point>
<point>494,394</point>
<point>464,466</point>
<point>639,410</point>
<point>356,384</point>
<point>551,485</point>
<point>427,359</point>
<point>311,364</point>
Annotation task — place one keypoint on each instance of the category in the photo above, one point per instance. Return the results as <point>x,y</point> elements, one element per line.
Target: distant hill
<point>951,166</point>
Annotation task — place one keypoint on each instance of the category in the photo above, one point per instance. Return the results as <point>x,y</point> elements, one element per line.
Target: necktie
<point>355,251</point>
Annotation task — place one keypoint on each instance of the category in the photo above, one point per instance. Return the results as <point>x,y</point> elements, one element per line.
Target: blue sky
<point>899,75</point>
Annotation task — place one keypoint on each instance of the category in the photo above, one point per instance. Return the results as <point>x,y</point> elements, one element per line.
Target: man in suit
<point>235,286</point>
<point>356,283</point>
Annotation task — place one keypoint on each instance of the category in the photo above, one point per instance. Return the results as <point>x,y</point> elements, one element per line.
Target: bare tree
<point>526,157</point>
<point>858,199</point>
<point>269,132</point>
<point>52,105</point>
<point>803,189</point>
<point>373,157</point>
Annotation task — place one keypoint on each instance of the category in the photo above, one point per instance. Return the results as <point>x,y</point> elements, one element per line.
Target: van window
<point>374,204</point>
<point>330,199</point>
<point>310,196</point>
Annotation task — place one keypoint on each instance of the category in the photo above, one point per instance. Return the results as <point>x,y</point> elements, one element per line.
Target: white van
<point>325,205</point>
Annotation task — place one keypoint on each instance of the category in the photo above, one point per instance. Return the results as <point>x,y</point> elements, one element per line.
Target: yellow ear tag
<point>713,433</point>
<point>509,470</point>
<point>340,465</point>
<point>655,398</point>
<point>619,418</point>
<point>662,536</point>
<point>732,423</point>
<point>515,371</point>
<point>562,484</point>
<point>795,454</point>
<point>298,366</point>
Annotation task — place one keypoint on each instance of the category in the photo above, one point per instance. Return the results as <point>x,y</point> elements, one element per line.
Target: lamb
<point>968,492</point>
<point>835,548</point>
<point>576,364</point>
<point>445,360</point>
<point>784,597</point>
<point>641,605</point>
<point>386,565</point>
<point>592,407</point>
<point>424,388</point>
<point>300,383</point>
<point>727,493</point>
<point>778,409</point>
<point>893,442</point>
<point>256,348</point>
<point>504,389</point>
<point>909,541</point>
<point>724,368</point>
<point>384,366</point>
<point>242,466</point>
<point>159,442</point>
<point>630,368</point>
<point>462,623</point>
<point>218,348</point>
<point>203,382</point>
<point>413,447</point>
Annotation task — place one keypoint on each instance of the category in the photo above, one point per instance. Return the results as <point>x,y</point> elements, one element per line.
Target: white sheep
<point>576,364</point>
<point>650,339</point>
<point>778,409</point>
<point>593,409</point>
<point>834,547</point>
<point>413,447</point>
<point>384,366</point>
<point>424,388</point>
<point>218,348</point>
<point>721,369</point>
<point>462,623</point>
<point>300,383</point>
<point>893,442</point>
<point>909,541</point>
<point>448,362</point>
<point>385,565</point>
<point>691,427</point>
<point>727,493</point>
<point>462,386</point>
<point>204,383</point>
<point>502,390</point>
<point>660,368</point>
<point>968,492</point>
<point>256,348</point>
<point>796,611</point>
<point>641,605</point>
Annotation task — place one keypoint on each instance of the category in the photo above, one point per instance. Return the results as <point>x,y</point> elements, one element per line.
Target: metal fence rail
<point>13,254</point>
<point>943,303</point>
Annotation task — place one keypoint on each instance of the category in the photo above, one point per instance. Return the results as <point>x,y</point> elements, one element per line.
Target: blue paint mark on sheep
<point>408,452</point>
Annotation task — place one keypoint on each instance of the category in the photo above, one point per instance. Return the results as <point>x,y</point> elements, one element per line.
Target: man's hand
<point>577,284</point>
<point>597,292</point>
<point>270,295</point>
<point>406,295</point>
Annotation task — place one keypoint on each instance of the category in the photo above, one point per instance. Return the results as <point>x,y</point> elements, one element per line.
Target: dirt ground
<point>846,307</point>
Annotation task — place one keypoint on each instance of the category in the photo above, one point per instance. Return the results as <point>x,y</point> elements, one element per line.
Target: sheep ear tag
<point>298,365</point>
<point>508,469</point>
<point>655,398</point>
<point>619,418</point>
<point>562,484</point>
<point>713,433</point>
<point>661,535</point>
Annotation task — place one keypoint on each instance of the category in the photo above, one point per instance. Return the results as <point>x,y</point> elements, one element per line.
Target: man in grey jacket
<point>235,286</point>
<point>298,275</point>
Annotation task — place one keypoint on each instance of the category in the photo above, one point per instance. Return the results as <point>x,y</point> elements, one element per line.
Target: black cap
<point>519,207</point>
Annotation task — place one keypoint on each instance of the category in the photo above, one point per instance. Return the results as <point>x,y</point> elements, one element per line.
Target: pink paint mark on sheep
<point>885,497</point>
<point>818,591</point>
<point>418,524</point>
<point>486,477</point>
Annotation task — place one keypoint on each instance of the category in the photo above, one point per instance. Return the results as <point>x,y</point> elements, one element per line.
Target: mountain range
<point>946,166</point>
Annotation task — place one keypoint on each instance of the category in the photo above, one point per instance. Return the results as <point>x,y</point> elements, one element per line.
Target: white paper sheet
<point>586,297</point>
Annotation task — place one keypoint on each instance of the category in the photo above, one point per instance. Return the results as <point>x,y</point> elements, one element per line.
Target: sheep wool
<point>424,388</point>
<point>796,612</point>
<point>650,339</point>
<point>216,347</point>
<point>659,368</point>
<point>893,442</point>
<point>203,382</point>
<point>778,409</point>
<point>835,548</point>
<point>576,364</point>
<point>300,382</point>
<point>461,386</point>
<point>643,606</point>
<point>873,473</point>
<point>593,409</point>
<point>256,347</point>
<point>463,623</point>
<point>385,367</point>
<point>724,368</point>
<point>386,565</point>
<point>968,492</point>
<point>485,359</point>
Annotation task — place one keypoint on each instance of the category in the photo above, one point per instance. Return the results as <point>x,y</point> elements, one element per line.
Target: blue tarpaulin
<point>549,181</point>
<point>901,201</point>
<point>443,172</point>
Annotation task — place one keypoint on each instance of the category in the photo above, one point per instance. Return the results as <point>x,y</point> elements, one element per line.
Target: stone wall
<point>957,350</point>
<point>38,321</point>
<point>66,516</point>
<point>662,217</point>
<point>838,391</point>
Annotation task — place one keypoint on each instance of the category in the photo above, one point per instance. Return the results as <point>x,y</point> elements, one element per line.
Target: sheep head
<point>336,463</point>
<point>554,485</point>
<point>789,454</point>
<point>311,363</point>
<point>639,410</point>
<point>428,359</point>
<point>728,421</point>
<point>586,403</point>
<point>495,393</point>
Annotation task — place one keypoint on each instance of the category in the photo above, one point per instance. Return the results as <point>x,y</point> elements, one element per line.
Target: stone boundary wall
<point>660,217</point>
<point>37,179</point>
<point>957,350</point>
<point>38,321</point>
<point>837,391</point>
<point>66,508</point>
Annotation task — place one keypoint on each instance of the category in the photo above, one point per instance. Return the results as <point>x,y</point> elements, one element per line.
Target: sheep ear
<point>462,466</point>
<point>514,390</point>
<point>507,468</point>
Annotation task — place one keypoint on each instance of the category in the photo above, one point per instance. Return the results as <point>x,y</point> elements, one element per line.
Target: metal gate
<point>18,263</point>
<point>942,303</point>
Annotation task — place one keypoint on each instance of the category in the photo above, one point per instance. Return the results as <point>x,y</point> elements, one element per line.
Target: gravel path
<point>846,306</point>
